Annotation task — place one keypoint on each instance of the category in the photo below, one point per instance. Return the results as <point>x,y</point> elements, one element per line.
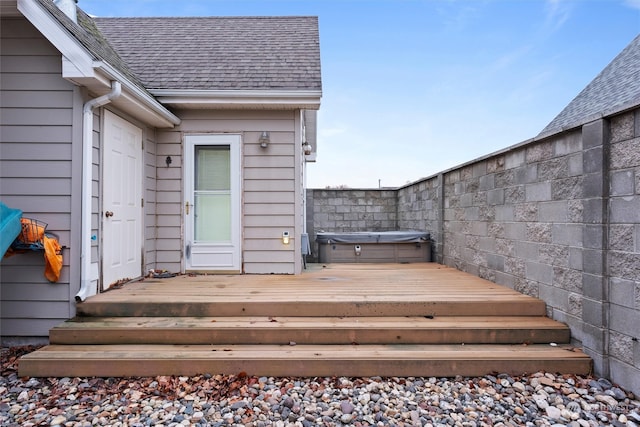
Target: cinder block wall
<point>340,210</point>
<point>556,218</point>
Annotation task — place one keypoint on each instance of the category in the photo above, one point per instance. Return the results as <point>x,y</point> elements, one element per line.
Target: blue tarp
<point>10,227</point>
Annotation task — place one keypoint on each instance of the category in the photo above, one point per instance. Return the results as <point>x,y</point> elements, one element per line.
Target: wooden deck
<point>337,319</point>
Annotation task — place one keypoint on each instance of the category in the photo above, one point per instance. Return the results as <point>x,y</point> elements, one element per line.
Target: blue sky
<point>413,87</point>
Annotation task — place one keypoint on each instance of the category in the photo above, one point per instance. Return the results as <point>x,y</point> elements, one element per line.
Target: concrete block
<point>526,174</point>
<point>625,265</point>
<point>567,279</point>
<point>621,237</point>
<point>625,320</point>
<point>527,250</point>
<point>567,188</point>
<point>625,210</point>
<point>593,236</point>
<point>576,165</point>
<point>637,127</point>
<point>557,211</point>
<point>593,185</point>
<point>516,158</point>
<point>625,154</point>
<point>625,375</point>
<point>592,160</point>
<point>505,213</point>
<point>622,183</point>
<point>487,182</point>
<point>537,192</point>
<point>479,169</point>
<point>527,212</point>
<point>593,312</point>
<point>621,127</point>
<point>542,273</point>
<point>566,234</point>
<point>593,286</point>
<point>592,210</point>
<point>594,134</point>
<point>495,197</point>
<point>514,194</point>
<point>593,338</point>
<point>538,232</point>
<point>592,260</point>
<point>569,143</point>
<point>575,258</point>
<point>621,347</point>
<point>554,297</point>
<point>495,262</point>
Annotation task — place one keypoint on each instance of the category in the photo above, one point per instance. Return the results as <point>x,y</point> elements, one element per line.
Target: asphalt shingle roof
<point>616,86</point>
<point>219,53</point>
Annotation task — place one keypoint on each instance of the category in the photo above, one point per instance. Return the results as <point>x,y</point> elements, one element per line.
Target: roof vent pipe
<point>69,8</point>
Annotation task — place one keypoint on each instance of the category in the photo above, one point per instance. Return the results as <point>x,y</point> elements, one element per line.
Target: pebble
<point>536,400</point>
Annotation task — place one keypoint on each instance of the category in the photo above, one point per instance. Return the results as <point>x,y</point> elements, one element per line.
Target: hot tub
<point>383,246</point>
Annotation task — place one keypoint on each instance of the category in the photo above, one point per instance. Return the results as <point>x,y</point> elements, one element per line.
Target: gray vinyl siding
<point>269,186</point>
<point>37,175</point>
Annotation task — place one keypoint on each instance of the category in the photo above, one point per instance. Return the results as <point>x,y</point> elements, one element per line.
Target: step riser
<point>310,309</point>
<point>303,368</point>
<point>321,336</point>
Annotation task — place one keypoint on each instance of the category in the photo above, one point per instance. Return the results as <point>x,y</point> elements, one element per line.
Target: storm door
<point>212,203</point>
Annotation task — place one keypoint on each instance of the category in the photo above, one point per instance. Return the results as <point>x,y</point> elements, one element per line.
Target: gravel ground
<point>540,399</point>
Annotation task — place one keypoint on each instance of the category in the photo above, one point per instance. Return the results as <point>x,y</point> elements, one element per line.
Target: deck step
<point>302,360</point>
<point>310,330</point>
<point>445,305</point>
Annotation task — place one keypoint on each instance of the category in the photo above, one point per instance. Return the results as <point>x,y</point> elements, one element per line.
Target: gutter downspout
<point>87,161</point>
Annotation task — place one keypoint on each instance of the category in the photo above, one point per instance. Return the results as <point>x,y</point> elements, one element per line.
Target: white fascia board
<point>70,48</point>
<point>143,98</point>
<point>309,99</point>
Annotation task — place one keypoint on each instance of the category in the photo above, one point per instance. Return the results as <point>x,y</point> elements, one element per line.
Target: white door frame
<point>121,213</point>
<point>222,257</point>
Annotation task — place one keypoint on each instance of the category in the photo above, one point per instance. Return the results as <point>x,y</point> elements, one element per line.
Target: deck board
<point>333,290</point>
<point>325,360</point>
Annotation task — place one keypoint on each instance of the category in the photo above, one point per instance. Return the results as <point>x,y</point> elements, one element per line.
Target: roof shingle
<point>219,53</point>
<point>616,86</point>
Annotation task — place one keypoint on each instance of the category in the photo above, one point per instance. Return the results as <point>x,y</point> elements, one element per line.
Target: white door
<point>212,203</point>
<point>122,201</point>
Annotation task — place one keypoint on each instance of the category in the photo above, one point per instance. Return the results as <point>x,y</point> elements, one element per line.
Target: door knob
<point>108,214</point>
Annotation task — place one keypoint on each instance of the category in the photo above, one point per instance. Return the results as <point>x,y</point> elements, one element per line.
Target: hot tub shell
<point>374,247</point>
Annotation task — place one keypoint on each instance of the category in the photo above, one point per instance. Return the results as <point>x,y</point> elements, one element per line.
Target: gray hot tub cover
<point>408,236</point>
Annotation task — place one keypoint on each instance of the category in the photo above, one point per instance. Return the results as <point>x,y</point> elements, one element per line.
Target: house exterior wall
<point>556,218</point>
<point>270,187</point>
<point>38,174</point>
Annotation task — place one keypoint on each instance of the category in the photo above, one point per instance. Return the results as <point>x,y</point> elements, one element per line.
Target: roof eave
<point>239,99</point>
<point>80,68</point>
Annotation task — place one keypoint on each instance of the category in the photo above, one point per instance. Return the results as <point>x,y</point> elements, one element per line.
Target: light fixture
<point>285,237</point>
<point>306,148</point>
<point>264,139</point>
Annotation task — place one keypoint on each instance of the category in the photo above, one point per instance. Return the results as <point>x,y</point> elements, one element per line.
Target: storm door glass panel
<point>212,194</point>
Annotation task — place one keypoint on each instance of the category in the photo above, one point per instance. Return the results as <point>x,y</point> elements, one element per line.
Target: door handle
<point>187,206</point>
<point>108,214</point>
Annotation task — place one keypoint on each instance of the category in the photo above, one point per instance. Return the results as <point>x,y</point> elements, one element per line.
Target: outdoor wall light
<point>307,148</point>
<point>168,161</point>
<point>264,139</point>
<point>285,237</point>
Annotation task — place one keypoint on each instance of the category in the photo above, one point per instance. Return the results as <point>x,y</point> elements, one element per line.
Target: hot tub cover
<point>408,236</point>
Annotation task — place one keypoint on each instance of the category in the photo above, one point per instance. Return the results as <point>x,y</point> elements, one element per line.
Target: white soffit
<point>238,99</point>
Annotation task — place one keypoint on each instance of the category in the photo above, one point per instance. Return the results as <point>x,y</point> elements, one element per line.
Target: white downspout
<point>87,162</point>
